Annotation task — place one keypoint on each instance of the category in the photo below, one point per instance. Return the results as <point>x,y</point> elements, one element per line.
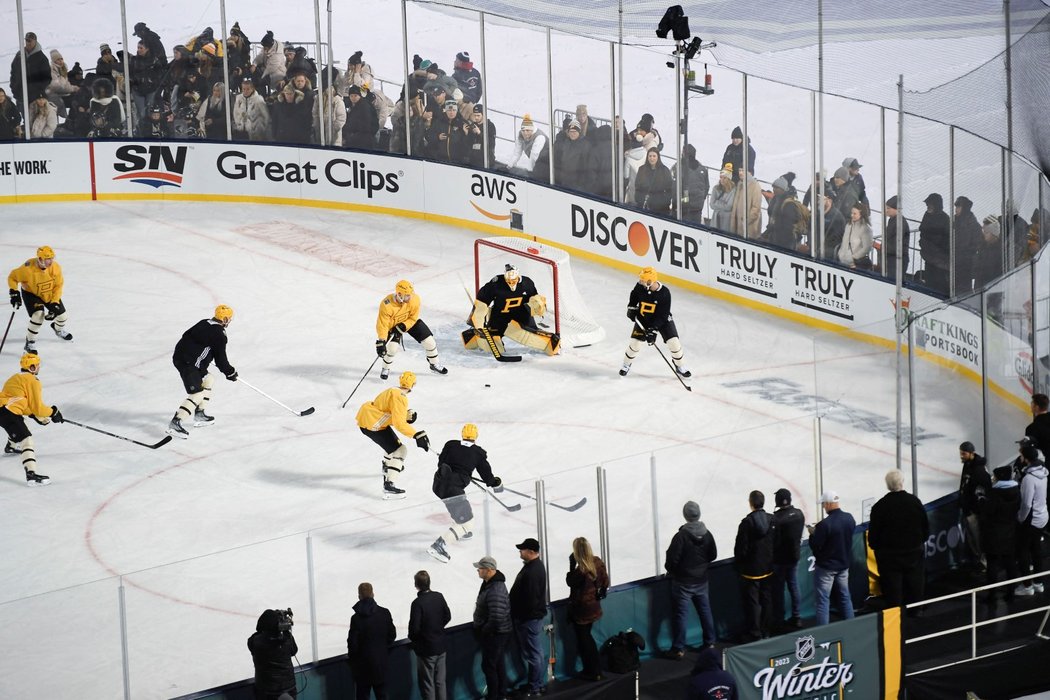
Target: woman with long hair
<point>588,581</point>
<point>857,240</point>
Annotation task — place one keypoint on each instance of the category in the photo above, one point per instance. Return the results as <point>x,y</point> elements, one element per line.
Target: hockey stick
<point>666,361</point>
<point>485,487</point>
<point>487,335</point>
<point>8,330</point>
<point>163,441</point>
<point>287,408</point>
<point>367,372</point>
<point>574,507</point>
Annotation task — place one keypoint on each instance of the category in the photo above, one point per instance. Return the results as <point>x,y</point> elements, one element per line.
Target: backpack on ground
<point>621,652</point>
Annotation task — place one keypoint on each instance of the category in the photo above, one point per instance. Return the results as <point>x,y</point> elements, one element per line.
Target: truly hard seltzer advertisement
<point>832,662</point>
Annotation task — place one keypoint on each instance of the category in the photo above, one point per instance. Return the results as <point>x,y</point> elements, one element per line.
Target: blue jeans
<point>785,574</point>
<point>528,632</point>
<point>682,594</point>
<point>824,582</point>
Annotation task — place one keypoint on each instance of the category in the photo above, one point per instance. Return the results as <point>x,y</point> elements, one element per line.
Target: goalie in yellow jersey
<point>398,315</point>
<point>378,418</point>
<point>40,281</point>
<point>505,307</point>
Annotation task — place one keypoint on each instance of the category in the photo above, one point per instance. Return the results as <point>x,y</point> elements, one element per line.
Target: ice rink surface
<point>208,532</point>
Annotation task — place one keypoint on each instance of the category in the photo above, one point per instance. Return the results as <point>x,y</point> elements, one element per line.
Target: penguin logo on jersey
<point>157,166</point>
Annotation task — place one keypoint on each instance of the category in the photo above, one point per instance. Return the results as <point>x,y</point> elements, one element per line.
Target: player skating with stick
<point>378,418</point>
<point>22,396</point>
<point>202,343</point>
<point>649,309</point>
<point>41,283</point>
<point>398,316</point>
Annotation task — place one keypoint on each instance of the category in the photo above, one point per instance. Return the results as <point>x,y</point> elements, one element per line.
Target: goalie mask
<point>511,275</point>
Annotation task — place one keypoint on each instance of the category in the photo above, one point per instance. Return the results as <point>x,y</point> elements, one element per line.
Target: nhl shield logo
<point>805,648</point>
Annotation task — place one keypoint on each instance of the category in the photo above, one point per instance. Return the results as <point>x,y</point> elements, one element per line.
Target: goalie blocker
<point>505,307</point>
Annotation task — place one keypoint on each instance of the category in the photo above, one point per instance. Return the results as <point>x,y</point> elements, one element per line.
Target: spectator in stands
<point>808,198</point>
<point>1031,244</point>
<point>251,117</point>
<point>846,192</point>
<point>10,119</point>
<point>787,550</point>
<point>853,167</point>
<point>834,228</point>
<point>570,159</point>
<point>855,249</point>
<point>654,185</point>
<point>383,105</point>
<point>43,118</point>
<point>269,66</point>
<point>691,551</point>
<point>419,120</point>
<point>831,541</point>
<point>748,223</point>
<point>967,240</point>
<point>988,259</point>
<point>588,582</point>
<point>38,70</point>
<point>753,558</point>
<point>358,72</point>
<point>438,77</point>
<point>153,42</point>
<point>584,120</point>
<point>79,122</point>
<point>146,73</point>
<point>735,154</point>
<point>155,124</point>
<point>933,244</point>
<point>528,608</point>
<point>492,625</point>
<point>474,141</point>
<point>211,114</point>
<point>974,483</point>
<point>786,221</point>
<point>599,161</point>
<point>889,240</point>
<point>184,124</point>
<point>272,648</point>
<point>60,88</point>
<point>723,197</point>
<point>106,62</point>
<point>1032,517</point>
<point>530,148</point>
<point>301,64</point>
<point>426,630</point>
<point>1039,429</point>
<point>636,146</point>
<point>181,65</point>
<point>897,534</point>
<point>997,515</point>
<point>708,681</point>
<point>292,113</point>
<point>334,110</point>
<point>368,644</point>
<point>209,65</point>
<point>467,77</point>
<point>106,112</point>
<point>445,140</point>
<point>695,184</point>
<point>1015,228</point>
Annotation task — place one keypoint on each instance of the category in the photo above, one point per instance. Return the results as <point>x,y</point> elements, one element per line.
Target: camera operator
<point>272,647</point>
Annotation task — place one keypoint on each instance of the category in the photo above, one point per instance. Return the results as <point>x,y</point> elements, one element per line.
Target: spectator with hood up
<point>695,184</point>
<point>933,244</point>
<point>708,681</point>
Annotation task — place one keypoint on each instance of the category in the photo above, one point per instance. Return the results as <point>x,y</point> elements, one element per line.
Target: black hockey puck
<point>488,386</point>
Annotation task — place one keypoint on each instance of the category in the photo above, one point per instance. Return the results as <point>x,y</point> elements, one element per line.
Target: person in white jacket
<point>856,243</point>
<point>269,65</point>
<point>60,86</point>
<point>334,118</point>
<point>1032,517</point>
<point>251,118</point>
<point>528,147</point>
<point>43,118</point>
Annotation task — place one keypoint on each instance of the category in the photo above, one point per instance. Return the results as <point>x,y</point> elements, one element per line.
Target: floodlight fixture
<point>675,22</point>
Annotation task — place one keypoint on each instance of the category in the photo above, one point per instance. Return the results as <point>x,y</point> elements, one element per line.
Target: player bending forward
<point>20,397</point>
<point>203,342</point>
<point>377,419</point>
<point>41,283</point>
<point>458,461</point>
<point>505,306</point>
<point>649,308</point>
<point>399,314</point>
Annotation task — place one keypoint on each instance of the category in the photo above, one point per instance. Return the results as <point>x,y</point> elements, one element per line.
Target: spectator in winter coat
<point>60,87</point>
<point>368,644</point>
<point>897,534</point>
<point>695,184</point>
<point>974,483</point>
<point>426,630</point>
<point>38,71</point>
<point>492,625</point>
<point>889,240</point>
<point>587,581</point>
<point>106,62</point>
<point>146,73</point>
<point>846,192</point>
<point>10,119</point>
<point>43,118</point>
<point>853,167</point>
<point>968,239</point>
<point>855,249</point>
<point>153,42</point>
<point>787,540</point>
<point>105,112</point>
<point>528,608</point>
<point>1039,429</point>
<point>292,114</point>
<point>834,228</point>
<point>570,159</point>
<point>361,122</point>
<point>530,144</point>
<point>300,63</point>
<point>691,551</point>
<point>184,124</point>
<point>748,223</point>
<point>831,542</point>
<point>997,515</point>
<point>1032,517</point>
<point>723,197</point>
<point>735,154</point>
<point>212,114</point>
<point>358,73</point>
<point>238,55</point>
<point>334,116</point>
<point>475,138</point>
<point>445,140</point>
<point>708,681</point>
<point>155,124</point>
<point>599,161</point>
<point>636,150</point>
<point>272,650</point>
<point>382,104</point>
<point>467,77</point>
<point>753,558</point>
<point>933,244</point>
<point>654,185</point>
<point>438,78</point>
<point>785,216</point>
<point>269,66</point>
<point>1015,229</point>
<point>251,118</point>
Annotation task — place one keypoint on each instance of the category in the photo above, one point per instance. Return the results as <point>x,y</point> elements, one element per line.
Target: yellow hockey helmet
<point>408,380</point>
<point>404,288</point>
<point>223,314</point>
<point>30,359</point>
<point>648,275</point>
<point>470,432</point>
<point>45,252</point>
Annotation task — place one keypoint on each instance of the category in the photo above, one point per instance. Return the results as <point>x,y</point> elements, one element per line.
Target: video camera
<point>284,620</point>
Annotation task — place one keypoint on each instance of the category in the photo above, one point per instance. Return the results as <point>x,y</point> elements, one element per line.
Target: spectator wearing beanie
<point>269,66</point>
<point>735,154</point>
<point>467,77</point>
<point>889,240</point>
<point>691,551</point>
<point>974,483</point>
<point>787,541</point>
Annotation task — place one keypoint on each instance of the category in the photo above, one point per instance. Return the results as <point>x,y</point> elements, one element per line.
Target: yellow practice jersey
<point>23,396</point>
<point>393,312</point>
<point>46,283</point>
<point>389,408</point>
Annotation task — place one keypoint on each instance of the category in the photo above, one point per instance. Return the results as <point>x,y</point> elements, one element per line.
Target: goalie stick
<point>163,441</point>
<point>573,508</point>
<point>485,487</point>
<point>666,361</point>
<point>487,335</point>
<point>305,412</point>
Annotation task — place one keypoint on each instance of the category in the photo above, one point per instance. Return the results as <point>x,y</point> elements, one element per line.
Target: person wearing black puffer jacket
<point>492,626</point>
<point>272,650</point>
<point>997,514</point>
<point>691,550</point>
<point>426,630</point>
<point>753,556</point>
<point>787,549</point>
<point>974,482</point>
<point>368,644</point>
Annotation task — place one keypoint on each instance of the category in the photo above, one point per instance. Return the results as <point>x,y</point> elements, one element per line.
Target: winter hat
<point>782,498</point>
<point>432,68</point>
<point>103,48</point>
<point>526,122</point>
<point>355,59</point>
<point>76,70</point>
<point>841,174</point>
<point>1003,473</point>
<point>691,511</point>
<point>646,122</point>
<point>425,64</point>
<point>55,55</point>
<point>353,90</point>
<point>850,162</point>
<point>267,40</point>
<point>573,124</point>
<point>139,28</point>
<point>451,106</point>
<point>478,109</point>
<point>781,183</point>
<point>463,57</point>
<point>727,171</point>
<point>934,199</point>
<point>967,447</point>
<point>892,202</point>
<point>30,36</point>
<point>267,621</point>
<point>738,133</point>
<point>1029,452</point>
<point>964,202</point>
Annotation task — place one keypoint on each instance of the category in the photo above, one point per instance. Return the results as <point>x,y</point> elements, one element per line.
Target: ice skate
<point>438,369</point>
<point>391,492</point>
<point>683,371</point>
<point>61,332</point>
<point>201,419</point>
<point>34,479</point>
<point>625,369</point>
<point>384,374</point>
<point>175,428</point>
<point>9,449</point>
<point>438,551</point>
<point>30,346</point>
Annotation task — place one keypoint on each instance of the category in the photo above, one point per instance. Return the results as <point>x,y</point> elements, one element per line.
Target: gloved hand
<point>381,348</point>
<point>232,376</point>
<point>650,337</point>
<point>16,298</point>
<point>632,311</point>
<point>422,441</point>
<point>401,328</point>
<point>53,309</point>
<point>56,415</point>
<point>498,485</point>
<point>411,417</point>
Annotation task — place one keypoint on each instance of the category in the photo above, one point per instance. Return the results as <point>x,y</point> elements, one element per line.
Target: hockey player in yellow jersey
<point>40,281</point>
<point>21,397</point>
<point>398,315</point>
<point>378,418</point>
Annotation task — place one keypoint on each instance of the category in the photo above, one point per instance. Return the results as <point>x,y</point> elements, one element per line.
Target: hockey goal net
<point>550,269</point>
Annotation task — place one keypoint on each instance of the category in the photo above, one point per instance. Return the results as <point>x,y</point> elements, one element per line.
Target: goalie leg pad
<point>538,340</point>
<point>480,315</point>
<point>471,341</point>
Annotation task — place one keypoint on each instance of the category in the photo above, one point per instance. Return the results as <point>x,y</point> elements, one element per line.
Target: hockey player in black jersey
<point>505,306</point>
<point>204,342</point>
<point>458,461</point>
<point>649,309</point>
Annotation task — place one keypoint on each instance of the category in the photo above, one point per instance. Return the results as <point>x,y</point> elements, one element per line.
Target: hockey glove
<point>53,309</point>
<point>401,328</point>
<point>381,348</point>
<point>232,376</point>
<point>422,441</point>
<point>56,415</point>
<point>497,485</point>
<point>410,418</point>
<point>632,312</point>
<point>650,337</point>
<point>16,298</point>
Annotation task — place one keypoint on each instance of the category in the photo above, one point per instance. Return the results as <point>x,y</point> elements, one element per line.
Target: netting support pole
<point>1006,227</point>
<point>550,107</point>
<point>406,96</point>
<point>911,409</point>
<point>603,518</point>
<point>125,661</point>
<point>818,458</point>
<point>819,186</point>
<point>312,589</point>
<point>486,512</point>
<point>541,528</point>
<point>618,163</point>
<point>655,507</point>
<point>744,151</point>
<point>899,263</point>
<point>331,79</point>
<point>486,154</point>
<point>225,71</point>
<point>953,278</point>
<point>882,167</point>
<point>22,66</point>
<point>814,217</point>
<point>127,73</point>
<point>681,112</point>
<point>320,95</point>
<point>617,139</point>
<point>984,374</point>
